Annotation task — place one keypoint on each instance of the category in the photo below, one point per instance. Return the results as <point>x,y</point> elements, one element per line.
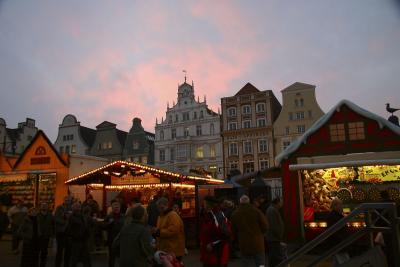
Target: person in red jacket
<point>214,242</point>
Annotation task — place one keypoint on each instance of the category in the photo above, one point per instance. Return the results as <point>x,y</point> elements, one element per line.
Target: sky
<point>116,60</point>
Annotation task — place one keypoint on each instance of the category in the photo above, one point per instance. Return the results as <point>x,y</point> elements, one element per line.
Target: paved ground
<point>7,259</point>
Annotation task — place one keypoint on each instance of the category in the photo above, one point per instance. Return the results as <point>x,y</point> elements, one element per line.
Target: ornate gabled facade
<point>73,138</point>
<point>139,144</point>
<point>300,110</point>
<point>188,140</point>
<point>14,141</point>
<point>247,132</point>
<point>109,142</point>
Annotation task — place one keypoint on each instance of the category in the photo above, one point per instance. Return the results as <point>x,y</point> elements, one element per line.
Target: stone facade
<point>188,140</point>
<point>14,141</point>
<point>247,131</point>
<point>299,111</point>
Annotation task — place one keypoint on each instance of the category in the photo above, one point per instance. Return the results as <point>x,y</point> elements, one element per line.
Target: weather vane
<point>391,110</point>
<point>393,119</point>
<point>184,71</point>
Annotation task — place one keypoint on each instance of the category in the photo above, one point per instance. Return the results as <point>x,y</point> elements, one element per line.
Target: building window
<point>199,152</point>
<point>285,144</point>
<point>181,151</point>
<point>201,114</point>
<point>172,153</point>
<point>162,155</point>
<point>337,132</point>
<point>263,145</point>
<point>260,107</point>
<point>263,164</point>
<point>212,151</point>
<point>246,124</point>
<point>71,137</point>
<point>310,114</point>
<point>67,149</point>
<point>73,149</point>
<point>233,149</point>
<point>64,138</point>
<point>356,131</point>
<point>290,116</point>
<point>185,116</point>
<point>287,130</point>
<point>233,165</point>
<point>261,122</point>
<point>170,119</point>
<point>61,149</point>
<point>186,132</point>
<point>161,135</point>
<point>99,146</point>
<point>135,145</point>
<point>248,167</point>
<point>299,115</point>
<point>144,160</point>
<point>173,133</point>
<point>176,118</point>
<point>231,111</point>
<point>198,130</point>
<point>109,146</point>
<point>296,102</point>
<point>211,128</point>
<point>301,128</point>
<point>301,102</point>
<point>232,126</point>
<point>247,147</point>
<point>194,115</point>
<point>246,109</point>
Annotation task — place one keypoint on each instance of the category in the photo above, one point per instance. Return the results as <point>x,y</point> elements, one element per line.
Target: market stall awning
<point>354,163</point>
<point>13,177</point>
<point>129,172</point>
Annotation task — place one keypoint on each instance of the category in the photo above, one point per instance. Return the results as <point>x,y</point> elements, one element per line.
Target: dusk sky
<point>116,60</point>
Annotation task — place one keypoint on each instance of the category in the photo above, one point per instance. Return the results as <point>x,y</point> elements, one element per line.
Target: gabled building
<point>109,141</point>
<point>139,144</point>
<point>300,110</point>
<point>247,131</point>
<point>188,140</point>
<point>73,138</point>
<point>13,141</point>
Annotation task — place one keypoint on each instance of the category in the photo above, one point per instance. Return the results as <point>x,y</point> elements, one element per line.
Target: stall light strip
<point>184,185</point>
<point>354,163</point>
<point>132,186</point>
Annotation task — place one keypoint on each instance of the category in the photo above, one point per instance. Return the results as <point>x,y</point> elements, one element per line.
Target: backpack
<point>224,225</point>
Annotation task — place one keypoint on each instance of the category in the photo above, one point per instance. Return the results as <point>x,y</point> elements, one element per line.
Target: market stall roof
<point>245,179</point>
<point>120,168</point>
<point>325,118</point>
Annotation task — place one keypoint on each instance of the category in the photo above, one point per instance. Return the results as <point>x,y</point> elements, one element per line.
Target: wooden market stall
<point>138,182</point>
<point>348,153</point>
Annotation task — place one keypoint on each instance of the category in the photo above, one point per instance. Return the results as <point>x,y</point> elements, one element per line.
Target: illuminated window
<point>233,149</point>
<point>73,149</point>
<point>263,145</point>
<point>212,151</point>
<point>144,160</point>
<point>247,147</point>
<point>135,145</point>
<point>199,152</point>
<point>337,132</point>
<point>356,131</point>
<point>109,145</point>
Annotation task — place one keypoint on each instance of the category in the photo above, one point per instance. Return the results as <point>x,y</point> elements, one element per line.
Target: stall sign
<point>370,174</point>
<point>147,178</point>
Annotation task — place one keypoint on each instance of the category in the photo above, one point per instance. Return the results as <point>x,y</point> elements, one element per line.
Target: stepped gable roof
<point>325,118</point>
<point>247,89</point>
<point>106,124</point>
<point>298,86</point>
<point>88,135</point>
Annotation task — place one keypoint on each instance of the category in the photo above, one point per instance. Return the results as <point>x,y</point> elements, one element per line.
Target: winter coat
<point>172,233</point>
<point>276,225</point>
<point>78,228</point>
<point>250,225</point>
<point>134,245</point>
<point>46,225</point>
<point>113,224</point>
<point>29,230</point>
<point>209,233</point>
<point>61,218</point>
<point>17,215</point>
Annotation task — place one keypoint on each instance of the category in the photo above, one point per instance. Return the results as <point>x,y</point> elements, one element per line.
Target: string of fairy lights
<point>136,186</point>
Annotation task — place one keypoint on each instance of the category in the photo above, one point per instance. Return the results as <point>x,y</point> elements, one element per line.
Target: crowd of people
<point>152,236</point>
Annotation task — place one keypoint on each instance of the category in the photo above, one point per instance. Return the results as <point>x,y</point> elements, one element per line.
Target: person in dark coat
<point>250,225</point>
<point>61,215</point>
<point>29,233</point>
<point>77,233</point>
<point>275,233</point>
<point>4,221</point>
<point>152,210</point>
<point>135,240</point>
<point>46,230</point>
<point>113,224</point>
<point>214,245</point>
<point>16,214</point>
